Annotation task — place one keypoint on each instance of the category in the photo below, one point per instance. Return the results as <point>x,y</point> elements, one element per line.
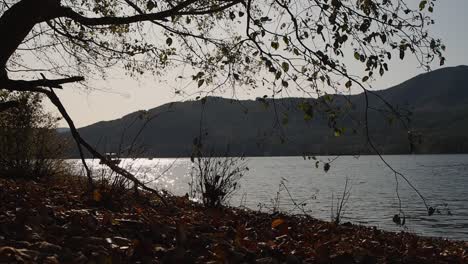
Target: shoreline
<point>289,156</point>
<point>54,221</point>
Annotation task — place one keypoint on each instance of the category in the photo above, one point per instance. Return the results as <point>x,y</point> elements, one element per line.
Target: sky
<point>120,94</point>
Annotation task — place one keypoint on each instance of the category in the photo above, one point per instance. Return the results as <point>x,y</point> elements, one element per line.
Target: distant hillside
<point>293,126</point>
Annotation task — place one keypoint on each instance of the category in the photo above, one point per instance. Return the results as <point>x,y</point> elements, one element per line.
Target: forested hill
<point>437,103</point>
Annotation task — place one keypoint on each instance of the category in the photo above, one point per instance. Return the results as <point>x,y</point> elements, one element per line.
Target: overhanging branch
<point>95,21</point>
<point>56,101</point>
<point>178,10</point>
<point>34,85</point>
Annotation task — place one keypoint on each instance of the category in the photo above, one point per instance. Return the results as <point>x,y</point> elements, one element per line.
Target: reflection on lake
<point>442,179</point>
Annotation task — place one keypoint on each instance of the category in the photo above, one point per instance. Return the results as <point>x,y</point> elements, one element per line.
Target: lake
<point>441,179</point>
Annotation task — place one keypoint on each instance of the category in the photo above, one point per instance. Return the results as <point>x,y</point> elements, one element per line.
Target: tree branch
<point>141,17</point>
<point>95,21</point>
<point>29,86</point>
<point>22,85</point>
<point>56,101</point>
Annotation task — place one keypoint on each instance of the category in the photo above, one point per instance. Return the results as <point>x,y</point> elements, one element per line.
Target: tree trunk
<point>15,25</point>
<point>18,21</point>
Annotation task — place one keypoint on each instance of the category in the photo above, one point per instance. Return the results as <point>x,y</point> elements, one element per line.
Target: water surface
<point>441,179</point>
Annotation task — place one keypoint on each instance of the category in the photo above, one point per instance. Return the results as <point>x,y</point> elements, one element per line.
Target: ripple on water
<point>440,178</point>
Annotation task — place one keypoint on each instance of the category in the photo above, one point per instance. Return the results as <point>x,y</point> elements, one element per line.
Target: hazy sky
<point>121,95</point>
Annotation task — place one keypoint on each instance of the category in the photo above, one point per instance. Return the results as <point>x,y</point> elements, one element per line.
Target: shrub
<point>30,146</point>
<point>110,188</point>
<point>215,179</point>
<point>338,211</point>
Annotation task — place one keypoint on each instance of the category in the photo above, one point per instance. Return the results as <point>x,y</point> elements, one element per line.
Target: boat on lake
<point>112,158</point>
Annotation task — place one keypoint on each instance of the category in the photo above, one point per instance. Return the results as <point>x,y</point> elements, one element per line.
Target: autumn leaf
<point>277,222</point>
<point>97,196</point>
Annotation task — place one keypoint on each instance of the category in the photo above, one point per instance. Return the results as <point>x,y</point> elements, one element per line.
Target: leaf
<point>442,61</point>
<point>285,66</point>
<point>326,167</point>
<point>422,5</point>
<point>286,40</point>
<point>277,222</point>
<point>365,78</point>
<point>232,16</point>
<point>362,58</point>
<point>396,219</point>
<point>201,82</point>
<point>284,83</point>
<point>97,196</point>
<point>383,37</point>
<point>357,56</point>
<point>150,5</point>
<point>319,29</point>
<point>275,45</point>
<point>337,132</point>
<point>198,76</point>
<point>430,211</point>
<point>169,41</point>
<point>348,84</point>
<point>278,75</point>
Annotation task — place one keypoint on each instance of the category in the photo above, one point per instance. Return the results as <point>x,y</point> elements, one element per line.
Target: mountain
<point>436,102</point>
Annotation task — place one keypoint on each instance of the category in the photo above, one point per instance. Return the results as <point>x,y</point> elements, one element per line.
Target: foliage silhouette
<point>215,179</point>
<point>29,144</point>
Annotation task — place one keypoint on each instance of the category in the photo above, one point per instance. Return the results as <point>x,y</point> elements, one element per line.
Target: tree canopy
<point>300,44</point>
<point>29,145</point>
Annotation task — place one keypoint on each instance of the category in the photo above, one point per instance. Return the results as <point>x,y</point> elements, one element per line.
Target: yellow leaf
<point>97,196</point>
<point>277,222</point>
